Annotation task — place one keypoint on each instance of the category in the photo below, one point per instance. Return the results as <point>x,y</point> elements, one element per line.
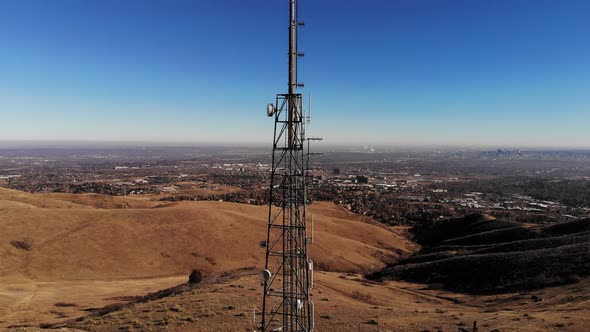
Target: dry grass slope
<point>81,240</point>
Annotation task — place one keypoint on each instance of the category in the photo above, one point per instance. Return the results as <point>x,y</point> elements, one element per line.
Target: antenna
<point>287,275</point>
<point>309,110</point>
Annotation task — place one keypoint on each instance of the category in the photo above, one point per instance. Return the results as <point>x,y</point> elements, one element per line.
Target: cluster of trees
<point>244,181</point>
<point>255,197</point>
<point>87,187</point>
<point>382,207</point>
<point>574,193</point>
<point>109,189</point>
<point>386,207</point>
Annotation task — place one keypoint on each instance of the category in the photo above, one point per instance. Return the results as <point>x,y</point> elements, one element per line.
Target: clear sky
<point>456,72</point>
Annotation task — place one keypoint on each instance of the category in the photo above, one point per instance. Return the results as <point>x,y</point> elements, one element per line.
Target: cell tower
<point>288,274</point>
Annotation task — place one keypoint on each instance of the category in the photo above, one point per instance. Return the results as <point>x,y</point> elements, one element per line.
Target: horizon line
<point>258,144</point>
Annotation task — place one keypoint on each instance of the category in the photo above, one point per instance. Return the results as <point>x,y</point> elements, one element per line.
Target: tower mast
<point>288,275</point>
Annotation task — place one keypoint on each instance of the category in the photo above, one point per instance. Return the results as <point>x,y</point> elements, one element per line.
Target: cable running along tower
<point>288,274</point>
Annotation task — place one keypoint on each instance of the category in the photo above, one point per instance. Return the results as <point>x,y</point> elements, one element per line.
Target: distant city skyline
<point>400,73</point>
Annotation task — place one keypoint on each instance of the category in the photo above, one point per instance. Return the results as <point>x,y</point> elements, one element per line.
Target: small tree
<point>195,277</point>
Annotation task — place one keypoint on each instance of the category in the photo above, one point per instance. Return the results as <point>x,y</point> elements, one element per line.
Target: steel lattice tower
<point>287,278</point>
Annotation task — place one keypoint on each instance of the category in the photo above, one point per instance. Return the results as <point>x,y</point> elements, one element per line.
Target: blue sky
<point>415,72</point>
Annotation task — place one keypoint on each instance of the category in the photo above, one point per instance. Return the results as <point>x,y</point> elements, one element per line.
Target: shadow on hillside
<point>481,254</point>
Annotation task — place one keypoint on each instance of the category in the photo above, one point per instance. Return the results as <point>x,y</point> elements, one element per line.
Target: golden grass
<point>76,242</point>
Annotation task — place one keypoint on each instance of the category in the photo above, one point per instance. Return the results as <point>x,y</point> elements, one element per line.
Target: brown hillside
<point>103,201</point>
<point>50,241</point>
<point>63,255</point>
<point>348,303</point>
<point>70,241</point>
<point>9,198</point>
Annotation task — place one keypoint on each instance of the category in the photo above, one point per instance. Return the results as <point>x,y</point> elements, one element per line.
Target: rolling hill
<point>96,263</point>
<point>481,254</point>
<point>51,240</point>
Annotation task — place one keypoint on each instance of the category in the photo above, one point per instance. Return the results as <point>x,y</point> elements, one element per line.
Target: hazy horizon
<point>90,144</point>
